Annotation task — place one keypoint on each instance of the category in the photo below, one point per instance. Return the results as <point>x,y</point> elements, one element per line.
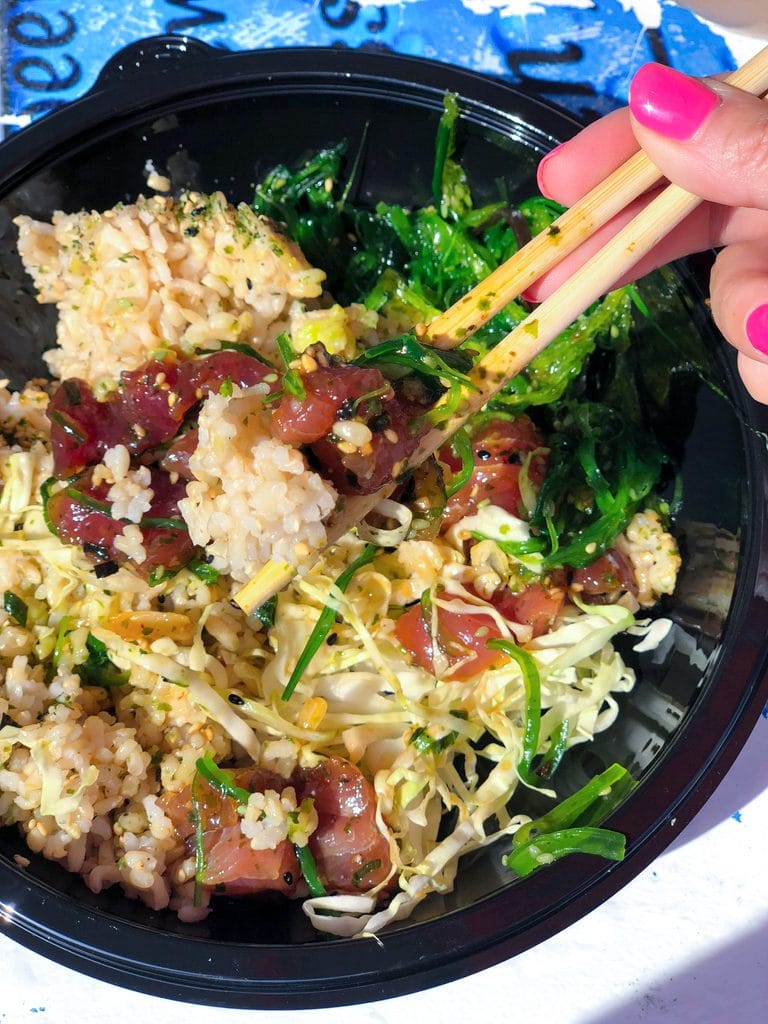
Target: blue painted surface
<point>54,49</point>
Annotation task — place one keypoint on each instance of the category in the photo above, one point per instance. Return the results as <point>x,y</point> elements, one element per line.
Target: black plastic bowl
<point>219,120</point>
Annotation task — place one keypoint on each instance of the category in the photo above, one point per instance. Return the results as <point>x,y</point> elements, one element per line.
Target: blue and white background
<point>580,53</point>
<point>687,941</point>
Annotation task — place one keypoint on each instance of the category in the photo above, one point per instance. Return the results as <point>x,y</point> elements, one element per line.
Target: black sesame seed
<point>236,699</point>
<point>379,423</point>
<point>346,410</point>
<point>288,878</point>
<point>482,454</point>
<point>331,639</point>
<point>99,550</point>
<point>104,569</point>
<point>191,232</point>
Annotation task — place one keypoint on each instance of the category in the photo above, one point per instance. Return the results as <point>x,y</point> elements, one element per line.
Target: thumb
<point>706,136</point>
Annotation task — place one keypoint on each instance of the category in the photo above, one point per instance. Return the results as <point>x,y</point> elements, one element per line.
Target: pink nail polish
<point>542,165</point>
<point>669,102</point>
<point>757,328</point>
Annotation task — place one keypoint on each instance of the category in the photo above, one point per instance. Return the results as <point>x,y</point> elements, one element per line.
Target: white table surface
<point>686,942</point>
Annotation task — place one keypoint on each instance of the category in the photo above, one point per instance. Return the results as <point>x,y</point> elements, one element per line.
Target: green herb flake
<point>98,669</point>
<point>15,607</point>
<point>309,871</point>
<point>203,570</point>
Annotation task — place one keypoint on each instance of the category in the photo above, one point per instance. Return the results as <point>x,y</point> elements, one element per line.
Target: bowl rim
<point>427,953</point>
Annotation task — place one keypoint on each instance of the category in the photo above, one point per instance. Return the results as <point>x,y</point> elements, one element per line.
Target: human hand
<point>712,140</point>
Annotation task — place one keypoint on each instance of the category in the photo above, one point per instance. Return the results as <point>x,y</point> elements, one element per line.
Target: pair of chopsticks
<point>547,321</point>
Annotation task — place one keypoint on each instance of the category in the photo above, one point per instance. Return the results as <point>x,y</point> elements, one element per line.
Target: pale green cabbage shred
<point>376,697</point>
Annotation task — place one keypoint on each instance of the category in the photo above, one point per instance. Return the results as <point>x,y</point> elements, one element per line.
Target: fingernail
<point>757,329</point>
<point>669,102</point>
<point>540,173</point>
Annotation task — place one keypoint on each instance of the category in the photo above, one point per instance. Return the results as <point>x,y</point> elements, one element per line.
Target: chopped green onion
<point>427,744</point>
<point>61,636</point>
<point>15,607</point>
<point>87,501</point>
<point>309,871</point>
<point>461,447</point>
<point>161,523</point>
<point>325,620</point>
<point>275,396</point>
<point>197,821</point>
<point>203,570</point>
<point>221,781</point>
<point>369,395</point>
<point>160,574</point>
<point>547,848</point>
<point>557,748</point>
<point>532,683</point>
<point>147,522</point>
<point>98,669</point>
<point>45,495</point>
<point>292,382</point>
<point>554,540</point>
<point>226,388</point>
<point>66,425</point>
<point>366,869</point>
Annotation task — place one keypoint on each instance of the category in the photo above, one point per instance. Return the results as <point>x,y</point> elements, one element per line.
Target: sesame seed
<point>353,432</point>
<point>390,435</point>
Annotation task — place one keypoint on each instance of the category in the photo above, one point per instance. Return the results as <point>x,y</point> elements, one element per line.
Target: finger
<point>707,137</point>
<point>708,227</point>
<point>739,294</point>
<point>755,377</point>
<point>573,168</point>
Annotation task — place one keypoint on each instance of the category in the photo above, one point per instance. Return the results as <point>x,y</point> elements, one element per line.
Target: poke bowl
<point>343,791</point>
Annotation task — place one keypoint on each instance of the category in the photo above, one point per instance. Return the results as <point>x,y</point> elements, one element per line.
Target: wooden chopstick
<point>566,234</point>
<point>546,322</point>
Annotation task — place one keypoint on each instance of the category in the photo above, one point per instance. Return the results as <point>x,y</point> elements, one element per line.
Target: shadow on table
<point>747,779</point>
<point>730,985</point>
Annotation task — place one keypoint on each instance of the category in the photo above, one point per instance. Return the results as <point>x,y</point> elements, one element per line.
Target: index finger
<point>574,167</point>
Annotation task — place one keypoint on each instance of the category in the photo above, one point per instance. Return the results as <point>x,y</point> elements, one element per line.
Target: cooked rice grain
<point>254,497</point>
<point>140,277</point>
